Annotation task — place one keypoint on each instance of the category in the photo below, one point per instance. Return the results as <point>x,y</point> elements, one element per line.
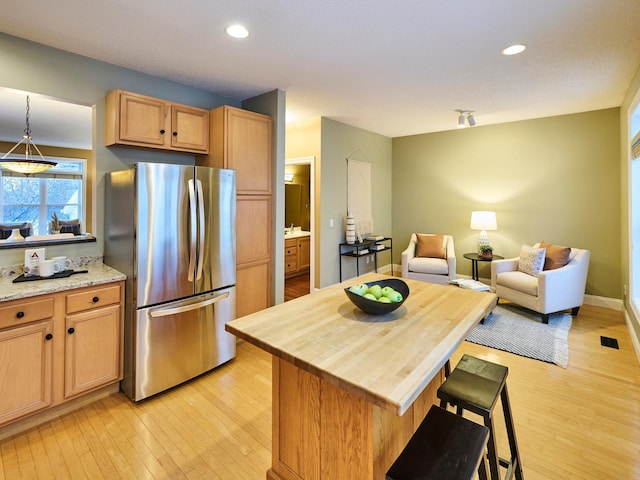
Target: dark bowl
<point>377,308</point>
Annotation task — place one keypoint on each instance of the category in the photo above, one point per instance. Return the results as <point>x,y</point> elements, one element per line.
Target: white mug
<point>62,262</point>
<point>47,268</point>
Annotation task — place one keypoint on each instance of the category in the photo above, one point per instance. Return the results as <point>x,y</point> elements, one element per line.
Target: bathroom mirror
<point>297,193</point>
<point>62,131</point>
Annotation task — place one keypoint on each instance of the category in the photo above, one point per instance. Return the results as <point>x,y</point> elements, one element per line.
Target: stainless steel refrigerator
<point>171,230</point>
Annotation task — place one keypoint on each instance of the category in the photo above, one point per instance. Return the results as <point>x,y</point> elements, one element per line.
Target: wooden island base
<point>322,431</point>
<point>351,388</point>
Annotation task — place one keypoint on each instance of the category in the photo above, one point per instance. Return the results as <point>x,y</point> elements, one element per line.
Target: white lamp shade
<point>483,220</point>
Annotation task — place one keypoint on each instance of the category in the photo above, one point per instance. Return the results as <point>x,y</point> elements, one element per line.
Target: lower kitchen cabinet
<point>92,350</point>
<point>57,347</point>
<point>26,370</point>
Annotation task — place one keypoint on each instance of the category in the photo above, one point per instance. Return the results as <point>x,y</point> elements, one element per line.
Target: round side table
<point>475,258</point>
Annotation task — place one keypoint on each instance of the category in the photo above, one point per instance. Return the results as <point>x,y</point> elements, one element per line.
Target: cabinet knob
<point>48,336</point>
<point>71,330</point>
<point>20,314</point>
<point>162,131</point>
<point>95,299</point>
<point>175,134</point>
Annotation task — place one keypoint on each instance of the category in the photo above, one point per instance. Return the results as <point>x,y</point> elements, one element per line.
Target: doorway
<point>299,214</point>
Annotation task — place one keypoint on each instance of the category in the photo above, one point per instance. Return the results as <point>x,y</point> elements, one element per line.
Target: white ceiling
<point>392,67</point>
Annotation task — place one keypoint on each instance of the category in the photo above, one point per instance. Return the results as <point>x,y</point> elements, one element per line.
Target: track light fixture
<point>471,120</point>
<point>465,114</point>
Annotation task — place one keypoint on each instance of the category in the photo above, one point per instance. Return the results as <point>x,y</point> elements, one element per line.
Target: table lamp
<point>483,221</point>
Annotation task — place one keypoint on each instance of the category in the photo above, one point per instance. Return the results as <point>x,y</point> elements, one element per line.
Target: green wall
<point>339,142</point>
<point>555,179</point>
<point>40,69</point>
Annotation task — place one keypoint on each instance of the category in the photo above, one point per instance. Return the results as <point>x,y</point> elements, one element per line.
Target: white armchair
<point>427,269</point>
<point>550,292</point>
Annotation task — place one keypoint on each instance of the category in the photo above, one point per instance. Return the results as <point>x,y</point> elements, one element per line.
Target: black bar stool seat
<point>475,385</point>
<point>444,447</point>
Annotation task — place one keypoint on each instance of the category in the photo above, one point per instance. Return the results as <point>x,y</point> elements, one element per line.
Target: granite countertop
<point>97,274</point>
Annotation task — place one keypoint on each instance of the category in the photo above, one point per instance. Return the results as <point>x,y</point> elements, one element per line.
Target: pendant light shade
<point>27,164</point>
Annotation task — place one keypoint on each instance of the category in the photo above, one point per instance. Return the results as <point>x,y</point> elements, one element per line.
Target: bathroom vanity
<point>297,253</point>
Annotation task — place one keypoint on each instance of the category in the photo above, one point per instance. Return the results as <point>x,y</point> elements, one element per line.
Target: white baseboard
<point>606,302</point>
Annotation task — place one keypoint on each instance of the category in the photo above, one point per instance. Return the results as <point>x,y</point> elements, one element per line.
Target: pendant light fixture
<point>29,164</point>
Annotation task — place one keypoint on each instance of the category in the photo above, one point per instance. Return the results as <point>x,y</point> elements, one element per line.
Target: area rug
<point>522,332</point>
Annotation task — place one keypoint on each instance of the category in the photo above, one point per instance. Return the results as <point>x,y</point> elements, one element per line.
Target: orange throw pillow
<point>556,256</point>
<point>431,246</point>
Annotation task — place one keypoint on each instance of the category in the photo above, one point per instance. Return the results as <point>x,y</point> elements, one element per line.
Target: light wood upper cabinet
<point>141,121</point>
<point>190,128</point>
<point>241,140</point>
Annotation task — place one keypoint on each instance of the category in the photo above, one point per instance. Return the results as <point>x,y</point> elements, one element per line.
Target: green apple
<point>359,288</point>
<point>384,299</point>
<point>370,296</point>
<point>375,290</point>
<point>395,297</point>
<point>387,290</point>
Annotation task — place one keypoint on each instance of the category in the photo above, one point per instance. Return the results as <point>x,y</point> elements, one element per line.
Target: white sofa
<point>550,292</point>
<point>433,270</point>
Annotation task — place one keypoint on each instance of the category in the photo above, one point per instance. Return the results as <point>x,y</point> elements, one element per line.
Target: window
<point>34,199</point>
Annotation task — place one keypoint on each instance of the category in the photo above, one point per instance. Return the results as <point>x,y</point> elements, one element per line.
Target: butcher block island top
<point>388,360</point>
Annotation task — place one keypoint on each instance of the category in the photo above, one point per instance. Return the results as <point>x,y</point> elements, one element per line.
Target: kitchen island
<point>349,389</point>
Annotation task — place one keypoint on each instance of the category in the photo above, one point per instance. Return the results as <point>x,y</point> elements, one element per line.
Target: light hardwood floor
<point>582,422</point>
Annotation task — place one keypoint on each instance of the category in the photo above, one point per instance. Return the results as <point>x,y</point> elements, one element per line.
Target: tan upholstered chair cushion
<point>556,256</point>
<point>520,282</point>
<point>430,246</point>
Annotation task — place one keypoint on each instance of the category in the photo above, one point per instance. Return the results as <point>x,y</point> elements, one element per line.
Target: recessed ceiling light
<point>237,31</point>
<point>513,50</point>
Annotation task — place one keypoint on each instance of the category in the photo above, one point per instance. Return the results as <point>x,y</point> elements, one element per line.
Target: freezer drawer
<point>177,341</point>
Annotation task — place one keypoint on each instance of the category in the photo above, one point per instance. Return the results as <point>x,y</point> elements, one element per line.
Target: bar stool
<point>444,447</point>
<point>475,385</point>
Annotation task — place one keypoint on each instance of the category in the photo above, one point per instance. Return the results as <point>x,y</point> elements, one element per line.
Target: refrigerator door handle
<point>188,307</point>
<point>194,229</point>
<point>201,233</point>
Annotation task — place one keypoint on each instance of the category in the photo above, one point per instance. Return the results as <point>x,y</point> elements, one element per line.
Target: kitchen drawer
<point>21,312</point>
<point>99,297</point>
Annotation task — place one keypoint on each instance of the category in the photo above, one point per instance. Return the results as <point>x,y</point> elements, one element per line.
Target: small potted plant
<point>55,224</point>
<point>486,251</point>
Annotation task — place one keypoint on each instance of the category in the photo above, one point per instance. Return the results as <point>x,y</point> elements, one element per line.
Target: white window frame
<point>42,213</point>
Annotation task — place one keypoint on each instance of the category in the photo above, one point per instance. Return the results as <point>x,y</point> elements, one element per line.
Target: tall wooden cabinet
<point>242,141</point>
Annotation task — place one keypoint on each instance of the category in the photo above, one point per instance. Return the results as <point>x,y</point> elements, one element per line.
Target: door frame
<point>311,161</point>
